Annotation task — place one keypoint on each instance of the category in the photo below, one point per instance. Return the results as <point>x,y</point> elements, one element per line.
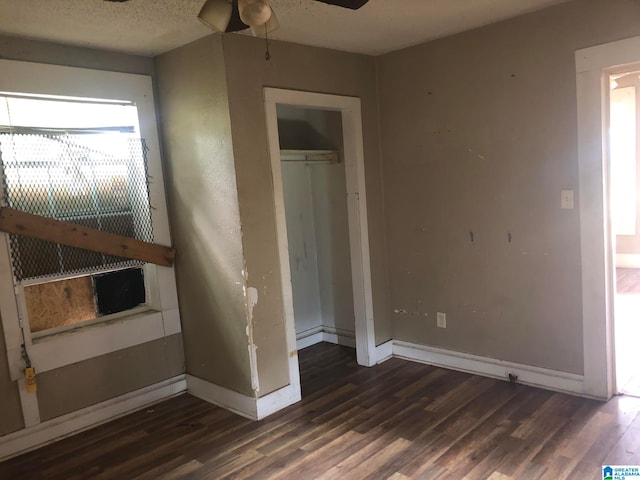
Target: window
<point>81,161</point>
<point>95,176</point>
<point>80,111</point>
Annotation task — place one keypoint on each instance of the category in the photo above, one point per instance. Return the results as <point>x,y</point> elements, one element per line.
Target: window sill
<point>141,310</point>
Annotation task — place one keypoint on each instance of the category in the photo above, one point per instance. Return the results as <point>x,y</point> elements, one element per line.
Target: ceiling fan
<point>235,15</point>
<point>226,16</point>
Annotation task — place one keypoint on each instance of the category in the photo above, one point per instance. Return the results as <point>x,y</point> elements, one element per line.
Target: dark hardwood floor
<point>627,328</point>
<point>397,420</point>
<point>628,281</point>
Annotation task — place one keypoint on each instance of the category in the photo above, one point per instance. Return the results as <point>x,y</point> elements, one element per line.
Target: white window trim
<point>95,339</point>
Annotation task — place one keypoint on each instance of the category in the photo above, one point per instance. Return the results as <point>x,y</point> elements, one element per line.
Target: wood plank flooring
<point>398,420</point>
<point>628,280</point>
<point>627,327</point>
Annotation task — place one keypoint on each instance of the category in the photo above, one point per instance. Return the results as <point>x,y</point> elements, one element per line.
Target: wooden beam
<point>66,233</point>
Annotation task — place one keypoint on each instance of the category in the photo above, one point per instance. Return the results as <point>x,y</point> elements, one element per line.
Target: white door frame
<point>597,250</point>
<point>357,212</point>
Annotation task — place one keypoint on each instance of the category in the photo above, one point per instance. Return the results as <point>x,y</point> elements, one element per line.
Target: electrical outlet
<point>442,320</point>
<point>566,199</point>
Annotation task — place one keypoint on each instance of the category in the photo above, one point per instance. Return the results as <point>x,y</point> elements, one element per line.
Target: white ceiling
<point>151,27</point>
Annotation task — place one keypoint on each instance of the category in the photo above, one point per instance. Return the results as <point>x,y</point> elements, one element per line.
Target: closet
<point>314,188</point>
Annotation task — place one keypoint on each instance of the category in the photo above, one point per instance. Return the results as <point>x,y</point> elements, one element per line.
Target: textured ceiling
<point>151,27</point>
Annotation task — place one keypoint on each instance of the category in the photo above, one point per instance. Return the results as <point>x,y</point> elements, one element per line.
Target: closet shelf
<point>310,156</point>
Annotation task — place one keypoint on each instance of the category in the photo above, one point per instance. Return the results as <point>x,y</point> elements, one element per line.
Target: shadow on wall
<point>300,135</point>
<point>210,280</point>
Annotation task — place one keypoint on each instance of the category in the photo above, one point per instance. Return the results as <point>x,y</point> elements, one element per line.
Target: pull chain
<point>267,55</point>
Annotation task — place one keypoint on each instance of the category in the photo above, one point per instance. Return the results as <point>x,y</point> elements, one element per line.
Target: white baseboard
<point>627,260</point>
<point>384,351</point>
<point>308,338</point>
<point>239,403</point>
<point>46,432</point>
<point>244,405</point>
<point>276,401</point>
<point>489,367</point>
<point>339,337</point>
<point>309,341</point>
<point>325,334</point>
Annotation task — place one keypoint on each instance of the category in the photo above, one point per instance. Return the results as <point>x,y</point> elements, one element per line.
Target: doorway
<point>337,154</point>
<point>314,189</point>
<point>624,176</point>
<point>594,65</point>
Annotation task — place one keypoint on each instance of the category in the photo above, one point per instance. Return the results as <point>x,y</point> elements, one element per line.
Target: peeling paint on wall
<point>402,311</point>
<point>476,154</point>
<point>253,360</point>
<point>251,300</point>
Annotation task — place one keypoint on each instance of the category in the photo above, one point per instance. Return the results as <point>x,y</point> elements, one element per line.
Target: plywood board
<point>74,235</point>
<point>56,304</point>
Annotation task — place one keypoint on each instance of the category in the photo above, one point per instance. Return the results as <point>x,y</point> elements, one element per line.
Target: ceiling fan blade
<point>352,4</point>
<point>235,23</point>
<point>216,14</point>
<point>222,16</point>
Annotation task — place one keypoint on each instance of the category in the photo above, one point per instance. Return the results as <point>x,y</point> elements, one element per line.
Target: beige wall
<point>66,389</point>
<point>203,206</point>
<point>10,409</point>
<point>479,134</point>
<point>299,68</point>
<point>76,386</point>
<point>44,52</point>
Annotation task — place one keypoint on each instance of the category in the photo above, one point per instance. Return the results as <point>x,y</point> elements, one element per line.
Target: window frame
<point>108,333</point>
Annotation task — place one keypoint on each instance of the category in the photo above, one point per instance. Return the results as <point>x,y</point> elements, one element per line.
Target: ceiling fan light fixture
<point>254,13</point>
<point>216,14</point>
<point>271,25</point>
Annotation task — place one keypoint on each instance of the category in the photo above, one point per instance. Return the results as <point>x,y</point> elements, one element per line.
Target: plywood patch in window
<point>56,304</point>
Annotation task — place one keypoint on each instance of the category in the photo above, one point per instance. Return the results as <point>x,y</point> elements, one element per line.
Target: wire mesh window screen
<point>96,180</point>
